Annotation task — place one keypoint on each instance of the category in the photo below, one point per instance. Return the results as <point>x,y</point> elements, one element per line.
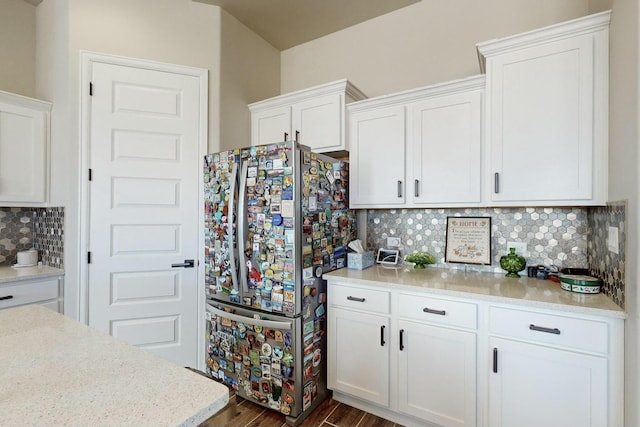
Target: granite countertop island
<point>486,286</point>
<point>55,371</point>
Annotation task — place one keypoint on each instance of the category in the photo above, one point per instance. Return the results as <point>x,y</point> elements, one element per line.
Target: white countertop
<point>487,286</point>
<point>12,274</point>
<point>55,371</point>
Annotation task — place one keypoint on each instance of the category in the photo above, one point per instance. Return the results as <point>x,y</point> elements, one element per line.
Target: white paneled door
<point>144,156</point>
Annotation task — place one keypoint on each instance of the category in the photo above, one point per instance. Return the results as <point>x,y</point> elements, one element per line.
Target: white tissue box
<point>357,261</point>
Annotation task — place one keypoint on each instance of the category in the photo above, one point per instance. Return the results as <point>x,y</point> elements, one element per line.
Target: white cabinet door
<point>24,145</point>
<point>541,130</point>
<point>532,386</point>
<point>269,126</point>
<point>437,374</point>
<point>320,122</point>
<point>358,348</point>
<point>317,113</point>
<point>377,142</point>
<point>547,114</point>
<point>446,139</point>
<point>418,148</point>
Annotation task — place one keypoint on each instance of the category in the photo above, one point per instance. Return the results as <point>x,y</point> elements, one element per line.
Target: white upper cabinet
<point>377,157</point>
<point>446,139</point>
<point>418,148</point>
<point>316,114</point>
<point>24,150</point>
<point>547,114</point>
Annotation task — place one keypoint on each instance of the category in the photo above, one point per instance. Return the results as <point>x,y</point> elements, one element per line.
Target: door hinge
<point>90,88</point>
<point>90,174</point>
<point>88,257</point>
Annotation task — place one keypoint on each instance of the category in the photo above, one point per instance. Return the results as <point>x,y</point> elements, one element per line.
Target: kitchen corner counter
<point>11,274</point>
<point>56,371</point>
<point>525,291</point>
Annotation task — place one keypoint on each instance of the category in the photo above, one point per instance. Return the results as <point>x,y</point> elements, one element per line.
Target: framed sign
<point>468,240</point>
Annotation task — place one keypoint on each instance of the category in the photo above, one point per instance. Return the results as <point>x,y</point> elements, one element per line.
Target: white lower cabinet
<point>533,386</point>
<point>44,291</point>
<point>553,370</point>
<point>437,374</point>
<point>359,355</point>
<point>414,364</point>
<point>433,360</point>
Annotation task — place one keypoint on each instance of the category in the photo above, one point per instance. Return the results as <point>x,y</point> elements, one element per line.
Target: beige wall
<point>425,43</point>
<point>250,71</point>
<point>17,47</point>
<point>624,161</point>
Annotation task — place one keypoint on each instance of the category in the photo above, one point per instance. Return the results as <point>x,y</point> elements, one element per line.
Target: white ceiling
<point>287,23</point>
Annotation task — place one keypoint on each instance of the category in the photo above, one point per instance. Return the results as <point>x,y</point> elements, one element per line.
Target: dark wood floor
<point>330,413</point>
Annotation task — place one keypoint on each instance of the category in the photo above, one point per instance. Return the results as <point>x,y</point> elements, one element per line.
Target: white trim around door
<point>87,62</point>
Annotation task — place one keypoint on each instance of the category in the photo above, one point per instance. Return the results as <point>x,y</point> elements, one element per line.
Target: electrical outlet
<point>521,247</point>
<point>393,242</point>
<point>612,242</point>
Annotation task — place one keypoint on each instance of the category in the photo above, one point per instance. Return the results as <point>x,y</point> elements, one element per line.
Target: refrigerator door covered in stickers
<point>261,358</point>
<point>276,218</point>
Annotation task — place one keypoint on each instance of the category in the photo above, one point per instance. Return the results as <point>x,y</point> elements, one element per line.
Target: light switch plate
<point>612,242</point>
<point>521,247</point>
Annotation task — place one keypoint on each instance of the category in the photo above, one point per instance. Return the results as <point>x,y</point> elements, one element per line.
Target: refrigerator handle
<point>270,324</point>
<point>242,216</point>
<point>232,250</point>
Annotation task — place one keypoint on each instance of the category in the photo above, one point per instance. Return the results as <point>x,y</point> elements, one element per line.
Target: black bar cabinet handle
<point>286,136</point>
<point>399,188</point>
<point>416,188</point>
<point>350,298</point>
<point>496,182</point>
<point>431,311</point>
<point>495,360</point>
<point>6,297</point>
<point>555,331</point>
<point>401,339</point>
<point>297,135</point>
<point>382,342</point>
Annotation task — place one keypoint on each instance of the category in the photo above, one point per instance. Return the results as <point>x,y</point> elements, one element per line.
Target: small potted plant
<point>420,259</point>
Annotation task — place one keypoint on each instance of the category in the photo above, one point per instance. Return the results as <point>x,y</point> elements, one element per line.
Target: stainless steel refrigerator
<point>277,218</point>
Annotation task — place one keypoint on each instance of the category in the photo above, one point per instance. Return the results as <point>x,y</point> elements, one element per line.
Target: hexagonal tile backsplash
<point>16,233</point>
<point>561,237</point>
<point>26,228</point>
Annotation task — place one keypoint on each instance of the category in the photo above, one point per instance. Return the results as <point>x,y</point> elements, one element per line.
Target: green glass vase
<point>512,263</point>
